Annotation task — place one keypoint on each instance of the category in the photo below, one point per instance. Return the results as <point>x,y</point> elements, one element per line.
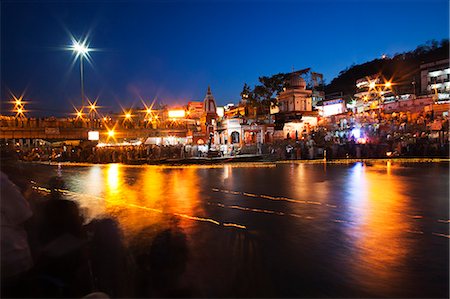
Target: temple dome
<point>297,82</point>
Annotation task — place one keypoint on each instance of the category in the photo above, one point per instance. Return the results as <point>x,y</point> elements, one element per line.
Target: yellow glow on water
<point>185,193</point>
<point>94,184</point>
<point>153,187</point>
<point>113,177</point>
<point>380,228</point>
<point>154,199</point>
<point>388,167</point>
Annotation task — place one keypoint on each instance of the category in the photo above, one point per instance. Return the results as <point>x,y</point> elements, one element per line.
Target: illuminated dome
<point>209,104</point>
<point>297,82</point>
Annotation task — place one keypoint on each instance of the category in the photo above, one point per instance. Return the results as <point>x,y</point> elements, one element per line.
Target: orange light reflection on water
<point>380,227</point>
<point>154,198</point>
<point>183,195</point>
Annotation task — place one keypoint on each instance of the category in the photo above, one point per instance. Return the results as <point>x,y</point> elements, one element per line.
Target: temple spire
<point>209,105</point>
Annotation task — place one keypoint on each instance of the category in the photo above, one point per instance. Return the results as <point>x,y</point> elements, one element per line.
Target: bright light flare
<point>372,85</point>
<point>127,114</point>
<point>20,112</point>
<point>93,106</point>
<point>78,113</point>
<point>17,101</point>
<point>149,112</point>
<point>80,48</point>
<point>111,132</point>
<point>356,133</point>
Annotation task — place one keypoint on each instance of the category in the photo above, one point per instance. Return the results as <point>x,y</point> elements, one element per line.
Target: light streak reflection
<point>115,190</point>
<point>377,206</point>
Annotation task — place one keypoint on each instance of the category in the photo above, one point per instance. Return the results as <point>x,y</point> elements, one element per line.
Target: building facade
<point>435,79</point>
<point>295,98</point>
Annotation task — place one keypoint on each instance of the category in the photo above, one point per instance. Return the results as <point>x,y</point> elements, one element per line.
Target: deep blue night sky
<point>173,50</point>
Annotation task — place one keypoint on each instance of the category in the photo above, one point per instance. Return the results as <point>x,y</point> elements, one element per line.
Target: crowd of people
<point>363,135</point>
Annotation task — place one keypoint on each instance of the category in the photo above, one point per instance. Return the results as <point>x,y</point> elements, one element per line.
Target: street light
<point>92,108</point>
<point>19,105</point>
<point>81,50</point>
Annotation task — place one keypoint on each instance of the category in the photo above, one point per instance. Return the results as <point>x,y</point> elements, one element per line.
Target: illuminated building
<point>368,93</point>
<point>435,79</point>
<point>295,98</point>
<point>207,120</point>
<point>332,107</point>
<point>195,110</point>
<point>238,131</point>
<point>295,111</point>
<point>407,103</point>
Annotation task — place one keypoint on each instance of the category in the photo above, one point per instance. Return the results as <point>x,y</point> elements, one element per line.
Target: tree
<point>270,88</point>
<point>264,95</point>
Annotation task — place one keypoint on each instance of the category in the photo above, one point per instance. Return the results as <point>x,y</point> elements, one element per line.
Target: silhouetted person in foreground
<point>108,258</point>
<point>62,268</point>
<point>160,266</point>
<point>16,260</point>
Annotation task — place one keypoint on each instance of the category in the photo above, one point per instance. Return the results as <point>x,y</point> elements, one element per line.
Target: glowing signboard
<point>177,113</point>
<point>93,135</point>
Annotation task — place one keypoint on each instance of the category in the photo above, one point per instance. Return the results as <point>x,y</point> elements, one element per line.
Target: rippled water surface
<point>277,230</point>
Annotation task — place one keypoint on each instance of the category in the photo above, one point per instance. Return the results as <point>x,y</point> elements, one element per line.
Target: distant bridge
<point>58,133</point>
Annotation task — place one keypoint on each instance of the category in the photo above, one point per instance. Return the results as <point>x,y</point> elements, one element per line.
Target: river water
<point>284,229</point>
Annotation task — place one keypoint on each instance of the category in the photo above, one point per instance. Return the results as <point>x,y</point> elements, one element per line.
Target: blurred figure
<point>62,268</point>
<point>16,257</point>
<point>160,266</point>
<point>108,258</point>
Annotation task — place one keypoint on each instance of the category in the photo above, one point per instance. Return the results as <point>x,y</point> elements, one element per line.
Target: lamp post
<point>81,50</point>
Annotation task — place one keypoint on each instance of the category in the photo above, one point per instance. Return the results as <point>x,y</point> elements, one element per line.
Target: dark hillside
<point>402,69</point>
